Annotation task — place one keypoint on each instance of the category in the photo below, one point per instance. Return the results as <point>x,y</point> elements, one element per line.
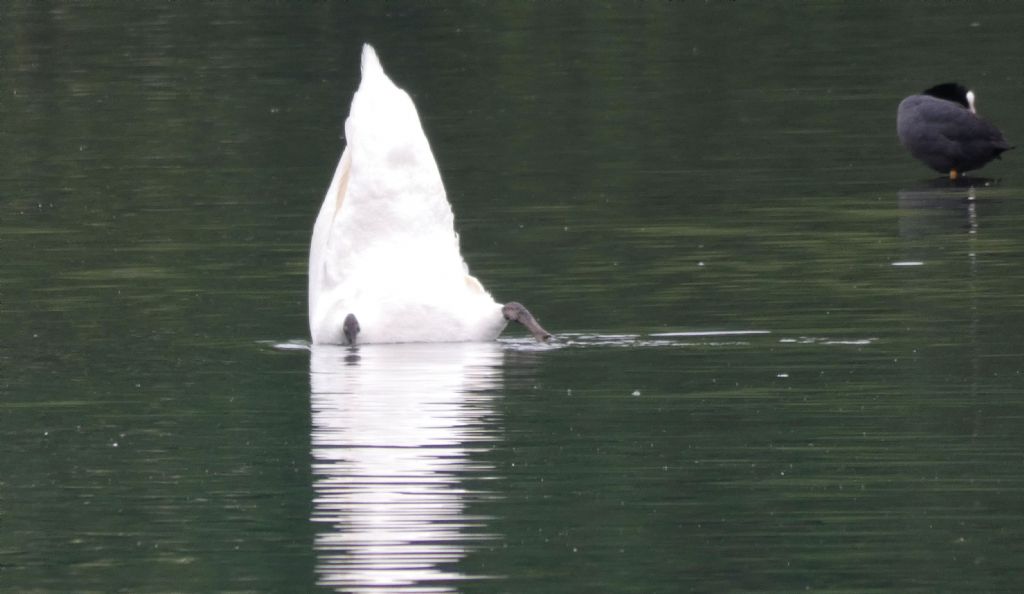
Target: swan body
<point>384,259</point>
<point>941,128</point>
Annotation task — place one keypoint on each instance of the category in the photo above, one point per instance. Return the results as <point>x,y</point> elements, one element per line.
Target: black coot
<point>941,128</point>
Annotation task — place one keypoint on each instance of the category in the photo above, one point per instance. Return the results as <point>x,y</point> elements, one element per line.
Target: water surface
<point>788,359</point>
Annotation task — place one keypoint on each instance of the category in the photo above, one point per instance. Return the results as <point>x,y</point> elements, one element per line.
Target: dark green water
<point>788,360</point>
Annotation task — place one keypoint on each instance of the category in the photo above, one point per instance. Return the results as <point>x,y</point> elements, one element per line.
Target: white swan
<point>384,262</point>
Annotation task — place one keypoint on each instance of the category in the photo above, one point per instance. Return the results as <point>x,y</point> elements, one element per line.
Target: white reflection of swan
<point>394,431</point>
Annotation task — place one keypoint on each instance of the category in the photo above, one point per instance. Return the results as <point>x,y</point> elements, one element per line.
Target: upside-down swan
<point>384,261</point>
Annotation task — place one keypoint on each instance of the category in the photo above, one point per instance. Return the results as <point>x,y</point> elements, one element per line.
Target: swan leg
<point>350,328</point>
<point>517,312</point>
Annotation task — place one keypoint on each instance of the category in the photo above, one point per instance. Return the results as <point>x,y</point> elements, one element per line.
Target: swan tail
<point>370,65</point>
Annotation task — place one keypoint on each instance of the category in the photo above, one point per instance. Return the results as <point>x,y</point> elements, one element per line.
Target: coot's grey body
<point>941,129</point>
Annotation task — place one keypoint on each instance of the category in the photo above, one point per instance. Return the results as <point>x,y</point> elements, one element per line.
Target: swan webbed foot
<point>350,328</point>
<point>516,312</point>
